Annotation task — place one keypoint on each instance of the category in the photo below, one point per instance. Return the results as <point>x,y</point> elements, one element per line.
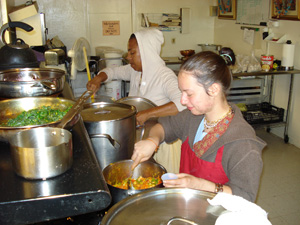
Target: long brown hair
<point>208,68</point>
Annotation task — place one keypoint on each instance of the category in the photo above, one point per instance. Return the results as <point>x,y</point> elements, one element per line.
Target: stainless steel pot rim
<point>162,191</point>
<point>107,106</point>
<point>36,78</point>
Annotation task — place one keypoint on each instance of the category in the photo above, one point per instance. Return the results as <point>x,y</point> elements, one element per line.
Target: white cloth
<point>159,83</point>
<point>240,211</point>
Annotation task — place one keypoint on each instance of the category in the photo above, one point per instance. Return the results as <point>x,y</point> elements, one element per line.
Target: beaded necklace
<point>209,125</point>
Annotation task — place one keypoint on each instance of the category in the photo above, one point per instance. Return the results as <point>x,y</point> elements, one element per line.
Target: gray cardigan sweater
<point>242,161</point>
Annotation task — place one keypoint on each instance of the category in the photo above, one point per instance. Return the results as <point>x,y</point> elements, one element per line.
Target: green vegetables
<point>38,116</point>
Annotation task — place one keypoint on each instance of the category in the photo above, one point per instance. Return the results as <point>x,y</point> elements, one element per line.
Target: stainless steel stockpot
<point>41,153</point>
<point>111,127</point>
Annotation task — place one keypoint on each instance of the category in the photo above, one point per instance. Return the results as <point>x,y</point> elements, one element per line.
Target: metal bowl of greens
<point>25,113</point>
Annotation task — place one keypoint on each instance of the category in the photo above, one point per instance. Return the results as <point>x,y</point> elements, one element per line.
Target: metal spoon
<point>129,183</point>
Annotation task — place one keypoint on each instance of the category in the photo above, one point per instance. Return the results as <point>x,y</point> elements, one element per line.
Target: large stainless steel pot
<point>31,82</point>
<point>13,107</point>
<point>165,206</point>
<point>111,127</point>
<point>118,171</point>
<point>42,152</point>
<point>140,104</point>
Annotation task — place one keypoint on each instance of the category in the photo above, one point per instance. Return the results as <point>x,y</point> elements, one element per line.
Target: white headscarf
<point>149,41</point>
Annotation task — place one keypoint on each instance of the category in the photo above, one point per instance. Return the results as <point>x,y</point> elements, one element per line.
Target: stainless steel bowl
<point>11,108</point>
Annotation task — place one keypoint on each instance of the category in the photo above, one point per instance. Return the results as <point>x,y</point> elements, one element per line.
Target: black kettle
<point>17,54</point>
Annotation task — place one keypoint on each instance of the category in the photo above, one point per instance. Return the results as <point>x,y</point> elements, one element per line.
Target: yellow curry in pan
<point>139,183</point>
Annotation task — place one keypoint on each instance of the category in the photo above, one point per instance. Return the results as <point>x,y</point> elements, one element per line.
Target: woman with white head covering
<point>149,78</point>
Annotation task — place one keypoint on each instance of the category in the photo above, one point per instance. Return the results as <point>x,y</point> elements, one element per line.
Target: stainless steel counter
<point>80,190</point>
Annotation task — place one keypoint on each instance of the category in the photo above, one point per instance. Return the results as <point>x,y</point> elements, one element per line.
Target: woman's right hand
<point>95,83</point>
<point>143,150</point>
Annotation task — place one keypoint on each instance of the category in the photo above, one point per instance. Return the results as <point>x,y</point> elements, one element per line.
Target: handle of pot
<point>22,25</point>
<point>142,131</point>
<point>181,219</point>
<point>113,142</point>
<point>45,84</point>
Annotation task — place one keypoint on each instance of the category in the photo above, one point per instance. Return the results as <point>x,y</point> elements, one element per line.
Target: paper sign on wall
<point>111,28</point>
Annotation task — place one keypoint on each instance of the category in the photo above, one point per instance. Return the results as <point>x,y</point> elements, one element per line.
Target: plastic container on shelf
<point>113,57</point>
<point>109,56</point>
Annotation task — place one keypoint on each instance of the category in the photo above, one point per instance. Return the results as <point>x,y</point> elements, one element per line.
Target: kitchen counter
<point>80,190</point>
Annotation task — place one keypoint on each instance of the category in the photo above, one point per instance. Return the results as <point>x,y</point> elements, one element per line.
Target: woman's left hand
<point>141,117</point>
<point>188,181</point>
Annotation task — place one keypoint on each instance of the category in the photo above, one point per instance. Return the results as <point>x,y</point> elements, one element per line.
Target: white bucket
<point>113,58</point>
<point>112,89</point>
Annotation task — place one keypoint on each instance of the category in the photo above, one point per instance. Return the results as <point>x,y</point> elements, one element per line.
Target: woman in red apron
<point>220,150</point>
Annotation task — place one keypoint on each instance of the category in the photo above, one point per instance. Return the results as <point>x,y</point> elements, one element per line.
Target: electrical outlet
<point>173,40</point>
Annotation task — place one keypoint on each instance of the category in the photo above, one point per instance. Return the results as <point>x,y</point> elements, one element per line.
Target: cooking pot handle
<point>142,131</point>
<point>111,140</point>
<point>22,25</point>
<point>181,219</point>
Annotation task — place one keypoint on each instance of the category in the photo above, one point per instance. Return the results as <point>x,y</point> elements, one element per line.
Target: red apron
<point>191,164</point>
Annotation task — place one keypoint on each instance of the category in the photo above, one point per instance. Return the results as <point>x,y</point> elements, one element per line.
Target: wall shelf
<point>281,38</point>
<point>168,21</point>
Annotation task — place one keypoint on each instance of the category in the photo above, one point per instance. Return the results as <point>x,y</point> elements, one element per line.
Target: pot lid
<point>162,205</point>
<point>102,111</point>
<point>139,102</point>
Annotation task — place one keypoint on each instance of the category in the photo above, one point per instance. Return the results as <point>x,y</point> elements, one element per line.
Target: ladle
<point>76,108</point>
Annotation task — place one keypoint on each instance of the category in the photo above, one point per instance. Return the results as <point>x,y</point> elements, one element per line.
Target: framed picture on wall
<point>286,9</point>
<point>227,9</point>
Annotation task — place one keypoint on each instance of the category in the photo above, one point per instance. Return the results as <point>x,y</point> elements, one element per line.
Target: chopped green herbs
<point>38,116</point>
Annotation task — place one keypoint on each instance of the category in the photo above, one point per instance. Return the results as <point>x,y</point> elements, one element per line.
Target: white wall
<point>228,33</point>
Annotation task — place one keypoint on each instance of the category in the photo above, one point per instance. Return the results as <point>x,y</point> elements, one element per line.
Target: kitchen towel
<point>239,211</point>
<point>249,36</point>
<point>288,51</point>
